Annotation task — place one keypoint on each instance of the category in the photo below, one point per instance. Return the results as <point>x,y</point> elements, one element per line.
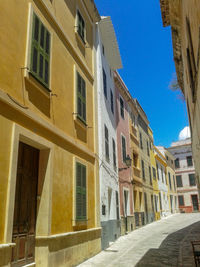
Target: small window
<point>81,98</point>
<point>148,149</point>
<point>114,154</point>
<point>111,101</point>
<point>122,108</point>
<point>192,179</point>
<point>150,176</point>
<point>162,174</point>
<point>181,200</point>
<point>143,170</point>
<point>160,201</point>
<point>157,172</point>
<point>81,192</point>
<point>189,161</point>
<point>123,149</point>
<point>106,143</point>
<point>170,184</point>
<point>154,173</point>
<point>40,52</point>
<point>177,164</point>
<point>179,181</point>
<point>174,183</point>
<point>81,26</point>
<point>141,145</point>
<point>103,50</point>
<point>104,84</point>
<point>117,204</point>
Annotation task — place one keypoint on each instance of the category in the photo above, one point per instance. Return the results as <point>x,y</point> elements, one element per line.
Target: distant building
<point>107,60</point>
<point>183,17</point>
<point>170,179</point>
<point>145,164</point>
<point>161,169</point>
<point>124,151</point>
<point>185,176</point>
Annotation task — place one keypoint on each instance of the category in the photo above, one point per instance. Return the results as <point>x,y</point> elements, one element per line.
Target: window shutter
<point>78,191</point>
<point>81,98</point>
<point>124,149</point>
<point>81,192</point>
<point>40,52</point>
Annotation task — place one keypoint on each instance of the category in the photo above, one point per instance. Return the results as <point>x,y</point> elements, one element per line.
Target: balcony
<point>136,172</point>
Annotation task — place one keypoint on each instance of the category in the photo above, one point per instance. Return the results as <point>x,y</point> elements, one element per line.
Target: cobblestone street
<point>162,243</point>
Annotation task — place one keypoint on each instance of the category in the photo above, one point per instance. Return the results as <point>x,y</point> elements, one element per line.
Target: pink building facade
<point>123,148</point>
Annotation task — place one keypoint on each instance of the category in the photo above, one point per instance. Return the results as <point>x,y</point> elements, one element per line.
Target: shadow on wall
<point>169,252</point>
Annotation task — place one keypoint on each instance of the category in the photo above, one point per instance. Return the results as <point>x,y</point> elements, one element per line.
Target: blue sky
<point>147,57</point>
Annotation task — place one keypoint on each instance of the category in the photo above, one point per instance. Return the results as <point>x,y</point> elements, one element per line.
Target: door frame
<point>43,218</point>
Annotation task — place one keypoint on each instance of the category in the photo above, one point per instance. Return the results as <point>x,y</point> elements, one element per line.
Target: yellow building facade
<point>155,197</point>
<point>135,167</point>
<point>49,191</point>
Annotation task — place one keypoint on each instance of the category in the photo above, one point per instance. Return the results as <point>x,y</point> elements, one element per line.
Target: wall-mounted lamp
<point>127,162</point>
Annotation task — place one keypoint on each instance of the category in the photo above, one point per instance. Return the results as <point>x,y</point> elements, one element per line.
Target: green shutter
<point>124,149</point>
<point>81,196</point>
<point>81,98</point>
<point>40,52</point>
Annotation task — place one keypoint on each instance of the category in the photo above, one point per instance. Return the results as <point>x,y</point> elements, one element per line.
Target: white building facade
<point>188,198</point>
<point>162,184</point>
<point>107,60</point>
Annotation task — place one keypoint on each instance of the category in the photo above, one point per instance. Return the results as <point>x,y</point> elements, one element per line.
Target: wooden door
<point>25,205</point>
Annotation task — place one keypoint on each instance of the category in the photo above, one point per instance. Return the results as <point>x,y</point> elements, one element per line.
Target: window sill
<point>31,79</point>
<point>80,39</point>
<point>80,122</point>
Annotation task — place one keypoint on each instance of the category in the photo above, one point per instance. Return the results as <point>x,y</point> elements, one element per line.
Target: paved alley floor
<point>162,243</point>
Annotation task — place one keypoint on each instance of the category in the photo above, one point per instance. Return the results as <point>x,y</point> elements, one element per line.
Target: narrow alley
<point>162,243</point>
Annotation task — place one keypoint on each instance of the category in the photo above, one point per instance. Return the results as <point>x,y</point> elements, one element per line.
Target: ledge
<point>7,245</point>
<point>39,125</point>
<point>65,235</point>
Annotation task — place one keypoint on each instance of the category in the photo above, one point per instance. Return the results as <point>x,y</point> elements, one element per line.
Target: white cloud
<point>184,134</point>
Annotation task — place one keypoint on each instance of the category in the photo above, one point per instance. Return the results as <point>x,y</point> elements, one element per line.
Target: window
<point>114,154</point>
<point>181,200</point>
<point>192,179</point>
<point>189,161</point>
<point>141,145</point>
<point>148,148</point>
<point>179,181</point>
<point>150,175</point>
<point>174,182</point>
<point>123,149</point>
<point>177,164</point>
<point>170,184</point>
<point>104,84</point>
<point>81,26</point>
<point>143,170</point>
<point>160,201</point>
<point>156,201</point>
<point>135,160</point>
<point>122,108</point>
<point>81,194</point>
<point>106,143</point>
<point>103,50</point>
<point>157,171</point>
<point>111,101</point>
<point>154,173</point>
<point>117,204</point>
<point>152,204</point>
<point>191,60</point>
<point>162,174</point>
<point>40,52</point>
<point>81,98</point>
